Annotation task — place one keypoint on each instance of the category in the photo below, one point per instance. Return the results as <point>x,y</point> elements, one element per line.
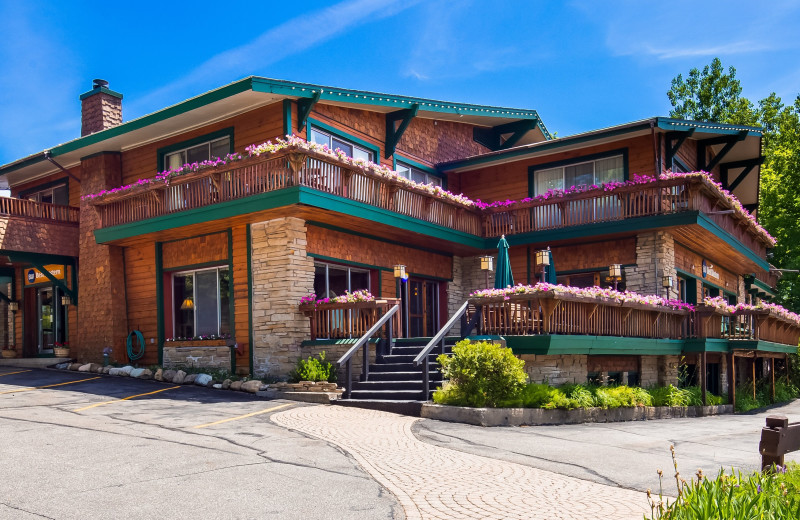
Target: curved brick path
<point>434,482</point>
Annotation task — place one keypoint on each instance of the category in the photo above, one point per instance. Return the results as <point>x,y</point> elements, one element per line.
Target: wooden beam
<point>58,283</point>
<point>748,166</point>
<point>492,138</point>
<point>672,150</point>
<point>728,140</point>
<point>732,379</point>
<point>703,377</point>
<point>772,379</point>
<point>304,107</point>
<point>393,135</point>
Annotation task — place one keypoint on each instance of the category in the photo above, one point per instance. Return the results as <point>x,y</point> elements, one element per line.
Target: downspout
<point>656,149</point>
<point>50,158</point>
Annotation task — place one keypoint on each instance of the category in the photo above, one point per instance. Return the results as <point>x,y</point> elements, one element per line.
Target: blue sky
<point>582,65</point>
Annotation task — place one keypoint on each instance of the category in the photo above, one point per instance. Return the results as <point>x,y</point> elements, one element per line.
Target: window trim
<point>348,268</point>
<point>577,160</point>
<point>189,143</point>
<point>183,271</point>
<point>399,159</point>
<point>64,181</point>
<point>328,129</point>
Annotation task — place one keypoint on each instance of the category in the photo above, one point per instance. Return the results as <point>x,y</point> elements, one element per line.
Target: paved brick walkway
<point>434,482</point>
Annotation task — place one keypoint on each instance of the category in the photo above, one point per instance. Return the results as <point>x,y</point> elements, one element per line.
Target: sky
<point>582,65</point>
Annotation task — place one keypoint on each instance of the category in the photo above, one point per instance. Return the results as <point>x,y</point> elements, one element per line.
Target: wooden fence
<point>746,325</point>
<point>349,320</point>
<point>39,210</point>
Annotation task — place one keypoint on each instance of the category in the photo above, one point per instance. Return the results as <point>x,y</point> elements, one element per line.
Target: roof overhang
<point>245,95</point>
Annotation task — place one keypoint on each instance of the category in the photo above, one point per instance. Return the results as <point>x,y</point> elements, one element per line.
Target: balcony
<point>37,227</point>
<point>745,326</point>
<point>349,320</point>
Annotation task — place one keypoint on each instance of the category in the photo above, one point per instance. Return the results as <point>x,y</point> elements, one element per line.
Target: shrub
<point>536,395</point>
<point>669,396</point>
<point>480,374</point>
<point>313,369</point>
<point>621,397</point>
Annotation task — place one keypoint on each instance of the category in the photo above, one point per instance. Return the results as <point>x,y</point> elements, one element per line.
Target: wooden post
<point>753,365</point>
<point>732,379</point>
<point>703,377</point>
<point>772,378</point>
<point>788,373</point>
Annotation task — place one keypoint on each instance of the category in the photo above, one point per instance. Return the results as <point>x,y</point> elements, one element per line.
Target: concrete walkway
<point>439,483</point>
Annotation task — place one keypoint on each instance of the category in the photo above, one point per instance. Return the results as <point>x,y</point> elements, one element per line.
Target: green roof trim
<point>706,345</point>
<point>558,344</point>
<point>98,90</point>
<point>762,346</point>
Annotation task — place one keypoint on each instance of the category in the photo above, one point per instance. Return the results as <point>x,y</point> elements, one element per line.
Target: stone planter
<point>9,354</point>
<point>199,343</point>
<point>61,351</point>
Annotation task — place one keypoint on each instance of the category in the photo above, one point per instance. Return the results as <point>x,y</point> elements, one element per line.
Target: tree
<point>714,95</point>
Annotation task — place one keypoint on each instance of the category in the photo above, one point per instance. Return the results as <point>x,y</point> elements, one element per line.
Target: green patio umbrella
<point>502,276</point>
<point>551,270</point>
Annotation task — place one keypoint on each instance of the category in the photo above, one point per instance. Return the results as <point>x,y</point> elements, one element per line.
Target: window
<point>586,173</point>
<point>201,302</point>
<point>333,141</point>
<point>333,280</point>
<point>417,175</point>
<point>55,194</point>
<point>678,166</point>
<point>197,153</point>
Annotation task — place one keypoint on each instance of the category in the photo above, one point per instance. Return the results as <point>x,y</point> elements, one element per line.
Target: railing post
<point>365,366</point>
<point>348,380</point>
<point>426,379</point>
<point>387,347</point>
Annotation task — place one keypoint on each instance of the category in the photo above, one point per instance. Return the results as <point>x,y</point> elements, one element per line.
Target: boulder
<point>97,369</point>
<point>226,384</point>
<point>217,386</point>
<point>75,366</point>
<point>236,385</point>
<point>202,379</point>
<point>251,386</point>
<point>168,376</point>
<point>159,375</point>
<point>136,372</point>
<point>126,370</point>
<point>146,374</point>
<point>179,376</point>
<point>115,371</point>
<point>85,368</point>
<point>189,379</point>
<point>107,369</point>
<point>62,366</point>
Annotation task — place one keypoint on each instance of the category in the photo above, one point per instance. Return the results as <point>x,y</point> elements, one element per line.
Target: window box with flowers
<point>212,340</point>
<point>61,349</point>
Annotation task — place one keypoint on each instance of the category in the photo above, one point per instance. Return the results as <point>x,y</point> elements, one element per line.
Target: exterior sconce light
<point>66,301</point>
<point>487,264</point>
<point>543,259</point>
<point>13,306</point>
<point>666,281</point>
<point>614,275</point>
<point>400,271</point>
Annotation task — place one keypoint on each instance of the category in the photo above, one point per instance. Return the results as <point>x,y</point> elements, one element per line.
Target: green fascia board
<point>597,229</point>
<point>763,346</point>
<point>705,222</point>
<point>709,127</point>
<point>556,344</point>
<point>706,345</point>
<point>764,287</point>
<point>540,147</point>
<point>279,198</point>
<point>33,258</point>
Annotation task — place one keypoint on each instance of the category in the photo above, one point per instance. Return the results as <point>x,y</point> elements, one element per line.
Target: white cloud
<point>274,45</point>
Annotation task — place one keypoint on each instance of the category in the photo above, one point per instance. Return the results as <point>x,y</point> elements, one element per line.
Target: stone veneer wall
<point>197,357</point>
<point>655,258</point>
<point>555,370</point>
<point>467,278</point>
<point>282,273</point>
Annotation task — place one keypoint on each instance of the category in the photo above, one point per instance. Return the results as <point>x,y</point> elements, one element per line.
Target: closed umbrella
<point>503,277</point>
<point>551,270</point>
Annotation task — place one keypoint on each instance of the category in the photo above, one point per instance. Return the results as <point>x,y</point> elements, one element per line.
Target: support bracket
<point>492,138</point>
<point>304,107</point>
<point>393,134</point>
<point>680,137</point>
<point>748,165</point>
<point>728,140</point>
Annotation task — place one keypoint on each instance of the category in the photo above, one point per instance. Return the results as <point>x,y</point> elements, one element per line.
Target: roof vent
<point>99,83</point>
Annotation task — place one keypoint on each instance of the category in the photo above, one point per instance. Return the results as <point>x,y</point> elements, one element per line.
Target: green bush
<point>744,394</point>
<point>313,369</point>
<point>480,374</point>
<point>773,495</point>
<point>669,396</point>
<point>621,397</point>
<point>536,395</point>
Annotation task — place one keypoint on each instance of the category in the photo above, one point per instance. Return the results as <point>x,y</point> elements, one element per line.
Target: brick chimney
<point>101,108</point>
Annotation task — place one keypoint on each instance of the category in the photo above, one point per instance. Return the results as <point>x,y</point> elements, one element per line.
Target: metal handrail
<point>348,356</point>
<point>439,338</point>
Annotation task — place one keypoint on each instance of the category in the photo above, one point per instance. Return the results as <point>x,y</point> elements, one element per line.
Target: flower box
<point>199,343</point>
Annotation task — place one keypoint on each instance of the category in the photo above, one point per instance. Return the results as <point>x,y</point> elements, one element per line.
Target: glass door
<point>423,308</point>
<point>51,316</point>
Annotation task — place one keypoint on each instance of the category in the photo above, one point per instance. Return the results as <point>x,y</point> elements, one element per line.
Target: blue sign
<point>705,269</point>
<point>31,275</point>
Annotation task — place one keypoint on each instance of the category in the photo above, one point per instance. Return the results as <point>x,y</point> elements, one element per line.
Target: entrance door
<point>423,308</point>
<point>45,302</point>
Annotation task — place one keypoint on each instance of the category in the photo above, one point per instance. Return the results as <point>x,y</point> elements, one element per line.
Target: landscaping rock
<point>115,371</point>
<point>251,386</point>
<point>159,375</point>
<point>179,377</point>
<point>97,369</point>
<point>226,384</point>
<point>75,366</point>
<point>146,374</point>
<point>236,385</point>
<point>168,376</point>
<point>62,366</point>
<point>202,379</point>
<point>136,372</point>
<point>85,368</point>
<point>126,370</point>
<point>189,379</point>
<point>107,369</point>
<point>217,386</point>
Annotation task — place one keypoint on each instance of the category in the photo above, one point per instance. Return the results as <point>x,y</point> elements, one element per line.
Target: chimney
<point>101,108</point>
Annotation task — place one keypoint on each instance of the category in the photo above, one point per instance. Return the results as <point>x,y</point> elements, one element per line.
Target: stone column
<point>655,258</point>
<point>102,309</point>
<point>282,274</point>
<point>467,278</point>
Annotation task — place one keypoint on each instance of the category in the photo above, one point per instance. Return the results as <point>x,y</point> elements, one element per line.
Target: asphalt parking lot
<point>80,445</point>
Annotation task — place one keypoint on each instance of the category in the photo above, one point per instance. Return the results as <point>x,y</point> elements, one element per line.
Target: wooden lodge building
<point>211,264</point>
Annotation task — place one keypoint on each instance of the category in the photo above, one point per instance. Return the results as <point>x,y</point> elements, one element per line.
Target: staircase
<point>393,378</point>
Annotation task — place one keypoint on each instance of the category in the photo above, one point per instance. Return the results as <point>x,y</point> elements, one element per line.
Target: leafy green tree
<point>716,95</point>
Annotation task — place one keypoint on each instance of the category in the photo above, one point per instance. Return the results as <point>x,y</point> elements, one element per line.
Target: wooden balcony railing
<point>349,320</point>
<point>39,210</point>
<point>291,167</point>
<point>661,197</point>
<point>744,325</point>
<point>549,313</point>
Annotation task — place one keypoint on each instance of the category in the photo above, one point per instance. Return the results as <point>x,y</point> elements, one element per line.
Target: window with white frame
<point>56,194</point>
<point>417,175</point>
<point>201,302</point>
<point>198,153</point>
<point>583,173</point>
<point>350,148</point>
<point>333,280</point>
